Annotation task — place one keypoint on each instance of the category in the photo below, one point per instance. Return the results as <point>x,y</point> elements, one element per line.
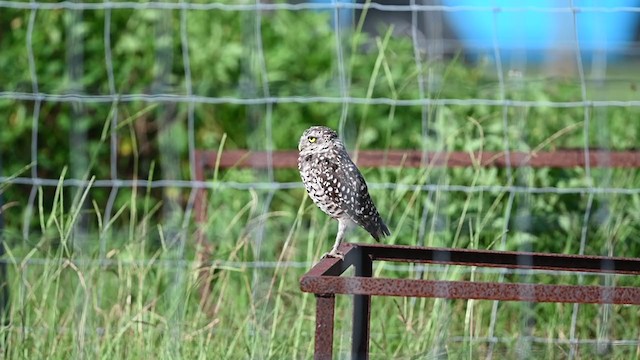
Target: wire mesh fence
<point>106,104</point>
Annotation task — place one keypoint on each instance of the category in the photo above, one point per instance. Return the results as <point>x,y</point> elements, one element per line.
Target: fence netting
<point>104,105</point>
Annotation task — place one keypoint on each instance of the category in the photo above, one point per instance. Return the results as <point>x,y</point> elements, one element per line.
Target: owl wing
<point>356,202</point>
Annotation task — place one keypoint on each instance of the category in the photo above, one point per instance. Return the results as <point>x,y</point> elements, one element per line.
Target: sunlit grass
<point>142,298</point>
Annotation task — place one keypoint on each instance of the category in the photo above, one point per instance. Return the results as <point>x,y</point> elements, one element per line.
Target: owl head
<point>318,139</point>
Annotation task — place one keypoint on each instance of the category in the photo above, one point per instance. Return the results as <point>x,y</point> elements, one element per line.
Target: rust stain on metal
<point>325,307</point>
<point>472,290</point>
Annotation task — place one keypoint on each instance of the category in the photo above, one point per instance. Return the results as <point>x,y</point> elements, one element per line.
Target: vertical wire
<point>508,169</point>
<point>425,112</point>
<point>267,94</point>
<point>79,157</point>
<point>598,73</point>
<point>180,304</point>
<point>34,125</point>
<point>522,221</point>
<point>78,162</point>
<point>588,179</point>
<point>108,58</point>
<point>424,116</point>
<point>342,74</point>
<point>34,157</point>
<point>113,137</point>
<point>257,277</point>
<point>168,156</point>
<point>113,143</point>
<point>424,109</point>
<point>343,78</point>
<point>264,78</point>
<point>186,60</point>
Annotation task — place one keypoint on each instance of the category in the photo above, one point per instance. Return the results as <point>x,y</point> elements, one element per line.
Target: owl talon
<point>334,254</point>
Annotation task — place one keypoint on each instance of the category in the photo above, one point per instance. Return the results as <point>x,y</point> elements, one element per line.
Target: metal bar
<point>330,266</point>
<point>361,311</point>
<point>325,306</point>
<point>472,290</point>
<point>414,158</point>
<point>505,259</point>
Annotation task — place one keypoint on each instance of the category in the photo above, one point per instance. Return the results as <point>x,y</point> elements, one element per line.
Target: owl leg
<point>342,228</point>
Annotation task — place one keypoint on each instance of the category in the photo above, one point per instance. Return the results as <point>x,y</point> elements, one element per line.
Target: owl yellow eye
<point>312,139</point>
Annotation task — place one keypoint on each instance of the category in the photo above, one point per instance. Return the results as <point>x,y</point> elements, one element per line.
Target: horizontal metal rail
<point>325,280</point>
<point>566,158</point>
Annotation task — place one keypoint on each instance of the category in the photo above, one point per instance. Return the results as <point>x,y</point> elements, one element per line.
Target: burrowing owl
<point>335,184</point>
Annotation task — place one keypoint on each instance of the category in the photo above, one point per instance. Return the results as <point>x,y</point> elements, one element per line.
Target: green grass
<point>144,300</point>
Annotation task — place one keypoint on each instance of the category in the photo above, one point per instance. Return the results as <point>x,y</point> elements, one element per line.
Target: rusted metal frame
<point>325,309</point>
<point>318,282</point>
<point>503,259</point>
<point>330,266</point>
<point>361,309</point>
<point>415,158</point>
<point>472,290</point>
<point>324,279</point>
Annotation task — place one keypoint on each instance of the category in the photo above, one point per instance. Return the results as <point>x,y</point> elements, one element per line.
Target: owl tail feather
<point>379,230</point>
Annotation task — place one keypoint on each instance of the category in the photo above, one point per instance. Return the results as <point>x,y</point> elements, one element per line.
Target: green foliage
<point>144,299</point>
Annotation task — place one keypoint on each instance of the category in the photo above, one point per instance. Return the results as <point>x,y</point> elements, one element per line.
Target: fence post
<point>361,311</point>
<point>325,307</point>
